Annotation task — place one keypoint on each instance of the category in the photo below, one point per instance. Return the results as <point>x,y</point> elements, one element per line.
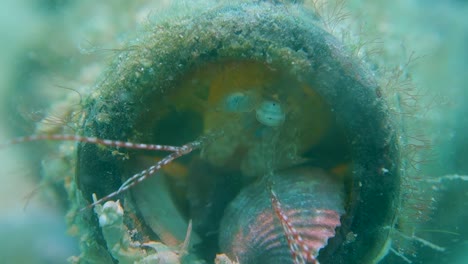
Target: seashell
<point>270,113</point>
<point>312,203</point>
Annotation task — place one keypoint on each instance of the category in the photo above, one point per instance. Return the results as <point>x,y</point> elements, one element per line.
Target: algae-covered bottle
<point>237,132</point>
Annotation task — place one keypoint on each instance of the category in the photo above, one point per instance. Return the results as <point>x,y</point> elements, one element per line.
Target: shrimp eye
<point>270,113</point>
<point>239,102</point>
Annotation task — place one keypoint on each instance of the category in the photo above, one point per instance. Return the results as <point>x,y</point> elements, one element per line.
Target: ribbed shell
<point>251,231</point>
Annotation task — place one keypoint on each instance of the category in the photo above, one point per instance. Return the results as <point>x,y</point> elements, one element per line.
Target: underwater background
<point>49,46</point>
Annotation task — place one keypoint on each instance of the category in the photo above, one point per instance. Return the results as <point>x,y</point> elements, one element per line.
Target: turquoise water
<point>54,52</point>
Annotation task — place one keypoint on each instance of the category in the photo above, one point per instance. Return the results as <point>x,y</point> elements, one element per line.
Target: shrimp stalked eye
<point>239,102</point>
<point>270,113</point>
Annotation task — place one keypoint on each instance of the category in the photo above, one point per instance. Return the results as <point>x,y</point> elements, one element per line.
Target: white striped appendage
<point>322,227</point>
<point>91,140</point>
<point>135,179</point>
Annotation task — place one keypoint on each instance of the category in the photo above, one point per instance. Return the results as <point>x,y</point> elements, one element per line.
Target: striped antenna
<point>305,244</point>
<point>300,252</point>
<point>141,176</point>
<point>177,152</point>
<point>91,140</point>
